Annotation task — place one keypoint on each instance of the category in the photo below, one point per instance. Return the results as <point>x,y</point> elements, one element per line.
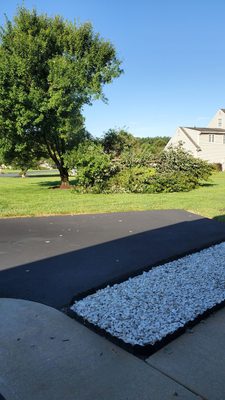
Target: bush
<point>140,180</point>
<point>93,166</point>
<point>179,160</point>
<point>168,182</point>
<point>176,171</point>
<point>133,180</point>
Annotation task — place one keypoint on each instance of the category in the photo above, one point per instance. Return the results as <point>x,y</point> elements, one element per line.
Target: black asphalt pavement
<point>52,259</point>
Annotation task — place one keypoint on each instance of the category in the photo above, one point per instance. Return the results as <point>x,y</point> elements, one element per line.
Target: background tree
<point>154,145</point>
<point>21,156</point>
<point>49,69</point>
<point>116,141</point>
<point>130,150</point>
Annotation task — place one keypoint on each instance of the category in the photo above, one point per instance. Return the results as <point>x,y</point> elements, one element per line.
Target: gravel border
<point>145,309</point>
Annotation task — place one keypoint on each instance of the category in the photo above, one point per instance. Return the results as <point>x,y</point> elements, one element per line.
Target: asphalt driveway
<point>51,259</point>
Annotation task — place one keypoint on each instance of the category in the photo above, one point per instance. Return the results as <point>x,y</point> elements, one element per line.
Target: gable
<point>185,137</point>
<point>218,121</point>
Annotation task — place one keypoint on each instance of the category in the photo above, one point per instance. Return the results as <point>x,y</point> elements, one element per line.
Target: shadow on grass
<point>55,183</point>
<point>42,176</point>
<point>208,184</point>
<point>49,184</point>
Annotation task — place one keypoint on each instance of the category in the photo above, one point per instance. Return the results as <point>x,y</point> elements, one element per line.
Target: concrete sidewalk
<point>45,355</point>
<point>197,359</point>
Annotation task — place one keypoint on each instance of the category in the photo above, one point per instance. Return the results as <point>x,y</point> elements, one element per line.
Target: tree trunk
<point>64,175</point>
<point>23,173</point>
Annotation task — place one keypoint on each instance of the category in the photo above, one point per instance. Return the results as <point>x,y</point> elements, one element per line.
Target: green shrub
<point>168,182</point>
<point>179,160</point>
<point>175,171</point>
<point>134,180</point>
<point>94,167</point>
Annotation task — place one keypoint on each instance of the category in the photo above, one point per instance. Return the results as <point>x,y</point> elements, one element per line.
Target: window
<point>211,138</point>
<point>219,122</point>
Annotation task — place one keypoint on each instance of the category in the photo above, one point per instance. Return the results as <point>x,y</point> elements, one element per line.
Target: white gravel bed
<point>145,309</point>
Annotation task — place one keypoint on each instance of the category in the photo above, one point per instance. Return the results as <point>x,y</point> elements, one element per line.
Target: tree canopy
<point>49,69</point>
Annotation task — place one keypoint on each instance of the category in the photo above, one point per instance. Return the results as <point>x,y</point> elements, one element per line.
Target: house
<point>205,143</point>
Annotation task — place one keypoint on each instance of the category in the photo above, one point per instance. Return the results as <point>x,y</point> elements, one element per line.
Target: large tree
<point>49,69</point>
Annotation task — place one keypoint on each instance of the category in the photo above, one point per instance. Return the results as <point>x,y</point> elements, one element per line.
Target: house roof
<point>201,131</point>
<point>208,130</point>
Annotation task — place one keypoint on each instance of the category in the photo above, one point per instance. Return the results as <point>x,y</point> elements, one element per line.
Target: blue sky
<point>173,55</point>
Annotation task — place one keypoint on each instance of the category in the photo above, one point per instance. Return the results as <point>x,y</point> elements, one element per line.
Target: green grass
<point>8,171</point>
<point>34,196</point>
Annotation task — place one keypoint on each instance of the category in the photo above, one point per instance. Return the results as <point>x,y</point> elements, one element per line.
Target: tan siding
<point>212,152</point>
<point>180,137</point>
<point>204,138</point>
<point>218,139</point>
<point>214,121</point>
<point>194,134</point>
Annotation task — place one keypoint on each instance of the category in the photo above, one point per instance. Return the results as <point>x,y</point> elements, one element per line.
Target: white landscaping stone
<point>144,309</point>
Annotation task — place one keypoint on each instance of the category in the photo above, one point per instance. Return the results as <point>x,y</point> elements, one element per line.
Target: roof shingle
<point>207,130</point>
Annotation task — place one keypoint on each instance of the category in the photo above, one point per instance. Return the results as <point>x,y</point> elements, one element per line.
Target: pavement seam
<point>175,380</point>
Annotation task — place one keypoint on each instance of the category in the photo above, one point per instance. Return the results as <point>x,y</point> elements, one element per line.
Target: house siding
<point>214,123</point>
<point>196,140</point>
<point>180,137</point>
<point>213,152</point>
<point>204,139</point>
<point>194,134</point>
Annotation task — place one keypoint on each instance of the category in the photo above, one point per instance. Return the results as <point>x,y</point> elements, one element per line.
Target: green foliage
<point>132,171</point>
<point>19,154</point>
<point>49,69</point>
<point>168,182</point>
<point>24,160</point>
<point>133,180</point>
<point>116,141</point>
<point>154,145</point>
<point>94,167</point>
<point>137,155</point>
<point>145,180</point>
<point>132,151</point>
<point>180,161</point>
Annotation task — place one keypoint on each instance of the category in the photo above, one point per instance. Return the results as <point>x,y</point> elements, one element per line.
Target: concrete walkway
<point>197,358</point>
<point>45,355</point>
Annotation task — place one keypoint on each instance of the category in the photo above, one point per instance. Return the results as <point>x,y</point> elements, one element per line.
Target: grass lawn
<point>34,196</point>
